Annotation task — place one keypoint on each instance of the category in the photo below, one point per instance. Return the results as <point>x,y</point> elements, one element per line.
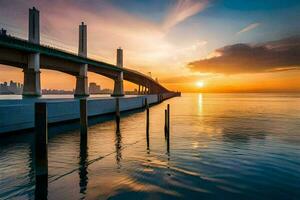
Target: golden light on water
<point>200,103</point>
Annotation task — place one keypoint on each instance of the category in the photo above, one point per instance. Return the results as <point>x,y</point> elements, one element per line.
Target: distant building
<point>94,88</point>
<point>3,32</point>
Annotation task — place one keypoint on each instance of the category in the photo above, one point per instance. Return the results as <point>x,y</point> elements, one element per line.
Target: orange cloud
<point>244,58</point>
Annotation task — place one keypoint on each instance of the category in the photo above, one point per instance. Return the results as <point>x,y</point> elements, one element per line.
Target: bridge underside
<point>20,59</point>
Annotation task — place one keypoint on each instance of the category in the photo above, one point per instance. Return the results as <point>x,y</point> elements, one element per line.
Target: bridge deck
<point>25,46</point>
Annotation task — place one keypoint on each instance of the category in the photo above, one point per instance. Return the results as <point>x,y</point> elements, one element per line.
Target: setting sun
<point>200,84</point>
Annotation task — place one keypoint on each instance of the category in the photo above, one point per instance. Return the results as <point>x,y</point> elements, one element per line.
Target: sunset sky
<point>189,45</point>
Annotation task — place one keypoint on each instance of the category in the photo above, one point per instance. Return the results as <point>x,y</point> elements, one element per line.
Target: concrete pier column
<point>139,91</point>
<point>149,89</point>
<point>143,89</point>
<point>118,85</point>
<point>32,81</point>
<point>82,79</point>
<point>34,26</point>
<point>82,88</point>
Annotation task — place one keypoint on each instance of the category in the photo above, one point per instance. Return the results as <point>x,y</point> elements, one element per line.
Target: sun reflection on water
<point>200,104</point>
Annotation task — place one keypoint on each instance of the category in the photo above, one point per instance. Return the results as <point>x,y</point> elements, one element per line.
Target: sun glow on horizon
<point>200,84</point>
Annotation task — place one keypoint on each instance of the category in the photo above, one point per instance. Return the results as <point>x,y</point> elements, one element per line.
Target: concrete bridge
<point>32,56</point>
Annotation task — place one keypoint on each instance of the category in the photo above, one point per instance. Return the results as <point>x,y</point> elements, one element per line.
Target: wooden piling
<point>146,103</point>
<point>147,117</point>
<point>41,150</point>
<point>147,128</point>
<point>168,128</point>
<point>166,123</point>
<point>83,117</point>
<point>168,144</point>
<point>118,116</point>
<point>168,109</point>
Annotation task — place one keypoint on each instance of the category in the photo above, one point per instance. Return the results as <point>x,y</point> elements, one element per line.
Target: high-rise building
<point>94,88</point>
<point>3,32</point>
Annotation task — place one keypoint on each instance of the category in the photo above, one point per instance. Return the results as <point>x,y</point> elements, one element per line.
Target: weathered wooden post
<point>41,150</point>
<point>147,122</point>
<point>168,128</point>
<point>166,123</point>
<point>118,114</point>
<point>168,144</point>
<point>145,103</point>
<point>168,108</point>
<point>83,118</point>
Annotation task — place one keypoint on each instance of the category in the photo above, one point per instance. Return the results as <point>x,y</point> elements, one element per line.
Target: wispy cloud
<point>182,10</point>
<point>248,28</point>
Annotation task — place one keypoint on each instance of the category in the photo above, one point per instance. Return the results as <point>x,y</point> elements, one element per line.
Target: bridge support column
<point>32,80</point>
<point>118,85</point>
<point>143,89</point>
<point>82,88</point>
<point>139,89</point>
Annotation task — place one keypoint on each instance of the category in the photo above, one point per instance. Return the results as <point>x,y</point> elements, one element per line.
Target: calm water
<point>223,146</point>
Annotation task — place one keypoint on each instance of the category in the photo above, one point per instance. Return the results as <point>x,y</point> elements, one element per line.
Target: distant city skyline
<point>12,87</point>
<point>230,46</point>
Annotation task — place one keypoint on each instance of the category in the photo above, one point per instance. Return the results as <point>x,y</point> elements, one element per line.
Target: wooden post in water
<point>118,114</point>
<point>168,144</point>
<point>168,129</point>
<point>41,150</point>
<point>168,108</point>
<point>145,103</point>
<point>83,118</point>
<point>147,122</point>
<point>166,123</point>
